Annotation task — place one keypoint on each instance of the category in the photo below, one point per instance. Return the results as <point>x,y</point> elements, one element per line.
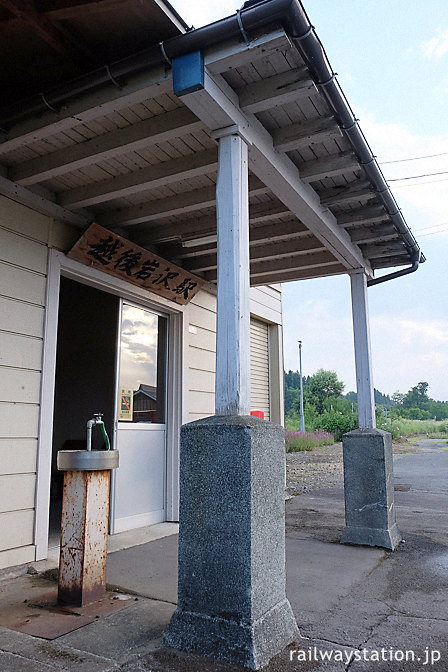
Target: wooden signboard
<point>113,254</point>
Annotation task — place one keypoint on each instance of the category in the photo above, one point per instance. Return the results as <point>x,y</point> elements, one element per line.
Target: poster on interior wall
<point>102,249</point>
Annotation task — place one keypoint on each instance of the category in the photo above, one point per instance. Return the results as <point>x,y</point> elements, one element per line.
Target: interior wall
<point>85,364</point>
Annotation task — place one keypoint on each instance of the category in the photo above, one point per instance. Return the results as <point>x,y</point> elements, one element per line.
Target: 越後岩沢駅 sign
<point>113,254</point>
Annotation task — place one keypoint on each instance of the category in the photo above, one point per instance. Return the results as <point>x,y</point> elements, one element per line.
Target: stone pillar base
<point>251,645</point>
<point>369,489</point>
<point>232,601</point>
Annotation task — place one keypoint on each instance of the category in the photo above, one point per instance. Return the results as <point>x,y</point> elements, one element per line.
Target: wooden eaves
<point>143,162</point>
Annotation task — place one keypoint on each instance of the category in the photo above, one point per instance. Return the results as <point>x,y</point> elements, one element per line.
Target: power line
<point>434,226</point>
<point>433,233</point>
<point>419,184</point>
<point>415,158</point>
<point>417,177</point>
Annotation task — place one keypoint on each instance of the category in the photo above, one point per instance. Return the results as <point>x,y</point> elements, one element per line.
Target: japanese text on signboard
<point>113,254</point>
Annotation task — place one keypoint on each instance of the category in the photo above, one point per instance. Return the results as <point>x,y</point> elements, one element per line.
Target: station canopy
<point>93,132</point>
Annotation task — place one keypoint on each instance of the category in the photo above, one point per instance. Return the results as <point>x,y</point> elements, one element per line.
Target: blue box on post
<point>188,73</point>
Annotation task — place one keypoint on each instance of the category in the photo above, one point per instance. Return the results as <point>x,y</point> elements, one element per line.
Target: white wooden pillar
<point>363,359</point>
<point>233,318</point>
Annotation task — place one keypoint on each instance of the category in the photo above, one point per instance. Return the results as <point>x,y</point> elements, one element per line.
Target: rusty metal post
<point>85,518</point>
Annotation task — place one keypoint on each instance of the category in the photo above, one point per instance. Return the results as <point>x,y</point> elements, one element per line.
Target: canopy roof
<point>119,147</point>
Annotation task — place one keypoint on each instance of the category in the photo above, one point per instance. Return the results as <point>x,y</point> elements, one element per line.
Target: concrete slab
<point>318,514</point>
<point>23,652</point>
<point>332,572</point>
<point>304,656</point>
<point>148,569</point>
<point>136,630</point>
<point>141,535</point>
<point>423,645</point>
<point>345,598</point>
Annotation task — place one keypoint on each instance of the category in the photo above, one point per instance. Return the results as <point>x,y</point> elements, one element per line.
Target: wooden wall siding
<point>267,302</point>
<point>25,238</point>
<point>201,316</point>
<point>16,529</point>
<point>21,460</point>
<point>259,367</point>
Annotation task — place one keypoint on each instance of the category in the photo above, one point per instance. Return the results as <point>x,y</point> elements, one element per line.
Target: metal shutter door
<point>259,367</point>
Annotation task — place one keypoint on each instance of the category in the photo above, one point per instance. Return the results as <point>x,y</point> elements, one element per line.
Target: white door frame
<point>58,265</point>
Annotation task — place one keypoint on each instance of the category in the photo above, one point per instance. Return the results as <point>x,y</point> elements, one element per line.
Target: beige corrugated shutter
<point>259,367</point>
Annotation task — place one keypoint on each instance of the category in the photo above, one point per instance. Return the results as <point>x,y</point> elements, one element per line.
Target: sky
<point>392,63</point>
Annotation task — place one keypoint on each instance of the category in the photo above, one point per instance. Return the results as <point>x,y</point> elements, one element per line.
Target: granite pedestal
<point>369,489</point>
<point>232,602</point>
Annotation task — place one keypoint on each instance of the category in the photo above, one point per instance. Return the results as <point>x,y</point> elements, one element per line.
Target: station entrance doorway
<point>112,358</point>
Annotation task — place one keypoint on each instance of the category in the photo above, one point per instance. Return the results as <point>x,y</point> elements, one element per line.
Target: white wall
<point>25,238</point>
<point>266,305</point>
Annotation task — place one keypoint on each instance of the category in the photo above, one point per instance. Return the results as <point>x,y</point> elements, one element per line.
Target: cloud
<point>424,332</point>
<point>138,356</point>
<point>407,350</point>
<point>437,46</point>
<point>441,91</point>
<point>424,201</point>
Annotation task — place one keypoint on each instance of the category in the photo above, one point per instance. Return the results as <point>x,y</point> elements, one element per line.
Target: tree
<point>397,398</point>
<point>322,385</point>
<point>291,399</point>
<point>292,379</point>
<point>417,397</point>
<point>380,398</point>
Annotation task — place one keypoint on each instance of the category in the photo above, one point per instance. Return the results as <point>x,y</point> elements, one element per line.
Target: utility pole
<point>302,418</point>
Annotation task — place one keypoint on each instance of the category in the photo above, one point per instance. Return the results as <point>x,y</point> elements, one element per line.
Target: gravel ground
<point>322,467</point>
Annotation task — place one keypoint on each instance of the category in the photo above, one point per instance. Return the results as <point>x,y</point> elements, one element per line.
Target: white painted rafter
<point>159,175</point>
<point>150,83</point>
<point>218,106</point>
<point>90,106</point>
<point>357,191</point>
<point>267,233</point>
<point>178,204</point>
<point>298,136</point>
<point>322,271</point>
<point>39,203</point>
<point>272,251</point>
<point>205,226</point>
<point>287,87</point>
<point>328,166</point>
<point>377,234</point>
<point>363,216</point>
<point>380,250</point>
<point>275,268</point>
<point>234,53</point>
<point>129,139</point>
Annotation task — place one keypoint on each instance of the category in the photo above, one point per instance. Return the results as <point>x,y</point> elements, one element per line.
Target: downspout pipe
<point>396,274</point>
<point>253,16</point>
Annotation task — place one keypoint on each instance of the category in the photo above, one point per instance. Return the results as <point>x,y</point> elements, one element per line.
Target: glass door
<point>139,482</point>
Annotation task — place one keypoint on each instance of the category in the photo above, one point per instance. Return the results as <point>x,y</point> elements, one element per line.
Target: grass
<point>297,441</point>
<point>402,427</point>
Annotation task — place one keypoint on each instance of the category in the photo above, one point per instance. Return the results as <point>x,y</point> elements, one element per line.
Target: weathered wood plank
<point>117,256</point>
<point>129,139</point>
<point>159,175</point>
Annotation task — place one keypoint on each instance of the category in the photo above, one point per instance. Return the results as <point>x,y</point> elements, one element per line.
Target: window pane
<point>142,366</point>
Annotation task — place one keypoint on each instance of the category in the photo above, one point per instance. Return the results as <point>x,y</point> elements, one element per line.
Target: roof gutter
<point>396,274</point>
<point>251,17</point>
